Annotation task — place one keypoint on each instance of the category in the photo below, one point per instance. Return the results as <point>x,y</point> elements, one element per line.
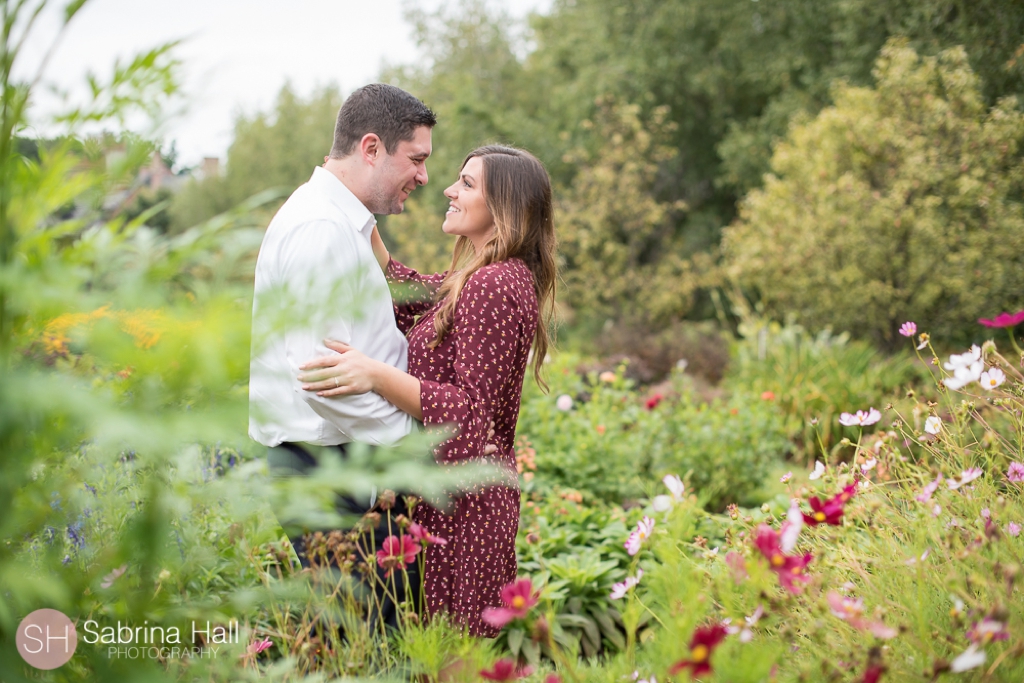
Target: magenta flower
<point>831,511</point>
<point>789,568</point>
<point>1015,473</point>
<point>504,670</point>
<point>396,554</point>
<point>1003,320</point>
<point>987,630</point>
<point>420,534</point>
<point>908,329</point>
<point>518,597</point>
<point>861,418</point>
<point>704,641</point>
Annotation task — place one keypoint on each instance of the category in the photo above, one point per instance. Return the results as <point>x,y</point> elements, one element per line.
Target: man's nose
<point>421,177</point>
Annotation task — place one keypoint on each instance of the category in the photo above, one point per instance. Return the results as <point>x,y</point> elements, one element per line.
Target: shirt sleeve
<point>486,334</point>
<point>329,292</point>
<point>412,292</point>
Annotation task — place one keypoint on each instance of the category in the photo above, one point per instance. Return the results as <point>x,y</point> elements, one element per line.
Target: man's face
<point>398,174</point>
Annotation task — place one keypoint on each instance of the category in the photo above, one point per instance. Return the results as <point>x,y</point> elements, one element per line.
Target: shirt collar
<point>342,197</point>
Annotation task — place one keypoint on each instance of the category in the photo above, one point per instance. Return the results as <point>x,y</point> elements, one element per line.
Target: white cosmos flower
<point>819,470</point>
<point>861,418</point>
<point>564,403</point>
<point>966,368</point>
<point>675,486</point>
<point>661,503</point>
<point>966,477</point>
<point>971,658</point>
<point>933,424</point>
<point>992,379</point>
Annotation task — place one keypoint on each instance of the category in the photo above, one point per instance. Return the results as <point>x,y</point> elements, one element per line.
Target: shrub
<point>612,446</point>
<point>813,378</point>
<point>901,202</point>
<point>724,448</point>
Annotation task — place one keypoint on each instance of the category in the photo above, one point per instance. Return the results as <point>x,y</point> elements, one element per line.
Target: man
<point>317,278</point>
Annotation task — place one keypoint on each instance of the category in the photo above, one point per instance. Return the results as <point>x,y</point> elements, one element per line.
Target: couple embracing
<point>354,366</point>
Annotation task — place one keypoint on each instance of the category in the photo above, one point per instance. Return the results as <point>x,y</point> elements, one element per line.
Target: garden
<point>795,453</point>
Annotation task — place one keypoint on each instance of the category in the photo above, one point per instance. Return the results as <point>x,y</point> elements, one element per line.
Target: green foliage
<point>901,202</point>
<point>577,552</point>
<point>814,378</point>
<point>724,448</point>
<point>612,447</point>
<point>276,149</point>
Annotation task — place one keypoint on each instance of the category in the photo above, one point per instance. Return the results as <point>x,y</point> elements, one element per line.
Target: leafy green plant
<point>813,379</point>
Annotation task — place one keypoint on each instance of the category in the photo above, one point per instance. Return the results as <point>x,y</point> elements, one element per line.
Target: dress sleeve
<point>486,334</point>
<point>412,293</point>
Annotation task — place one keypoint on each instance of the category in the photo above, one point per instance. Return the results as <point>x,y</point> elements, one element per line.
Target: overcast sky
<point>238,53</point>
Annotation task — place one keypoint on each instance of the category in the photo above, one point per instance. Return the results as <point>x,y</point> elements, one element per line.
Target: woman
<point>468,352</point>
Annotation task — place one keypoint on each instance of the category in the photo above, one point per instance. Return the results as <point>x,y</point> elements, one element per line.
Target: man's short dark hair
<point>390,112</point>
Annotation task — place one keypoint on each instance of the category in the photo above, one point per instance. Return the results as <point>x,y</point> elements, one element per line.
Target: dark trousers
<point>295,459</point>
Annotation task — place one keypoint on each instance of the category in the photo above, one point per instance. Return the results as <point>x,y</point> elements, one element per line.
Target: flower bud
<point>386,499</point>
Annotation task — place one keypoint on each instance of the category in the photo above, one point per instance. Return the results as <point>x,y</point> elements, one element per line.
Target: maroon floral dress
<point>474,377</point>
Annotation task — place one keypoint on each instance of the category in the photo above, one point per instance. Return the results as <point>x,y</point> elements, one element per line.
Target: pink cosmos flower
<point>966,477</point>
<point>620,589</point>
<point>908,329</point>
<point>396,553</point>
<point>789,568</point>
<point>113,576</point>
<point>519,598</point>
<point>1003,320</point>
<point>861,418</point>
<point>1013,529</point>
<point>258,646</point>
<point>851,611</point>
<point>737,565</point>
<point>420,534</point>
<point>928,490</point>
<point>643,531</point>
<point>1015,472</point>
<point>504,670</point>
<point>704,641</point>
<point>785,477</point>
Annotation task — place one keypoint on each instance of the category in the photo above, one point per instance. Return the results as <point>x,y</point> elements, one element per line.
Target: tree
<point>276,149</point>
<point>900,202</point>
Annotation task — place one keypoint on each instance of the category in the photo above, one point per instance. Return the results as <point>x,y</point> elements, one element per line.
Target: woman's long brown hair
<point>517,192</point>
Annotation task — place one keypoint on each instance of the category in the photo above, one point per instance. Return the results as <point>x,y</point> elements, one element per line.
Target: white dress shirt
<point>316,279</point>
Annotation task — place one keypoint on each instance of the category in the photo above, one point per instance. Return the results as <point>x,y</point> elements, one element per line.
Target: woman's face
<point>468,215</point>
